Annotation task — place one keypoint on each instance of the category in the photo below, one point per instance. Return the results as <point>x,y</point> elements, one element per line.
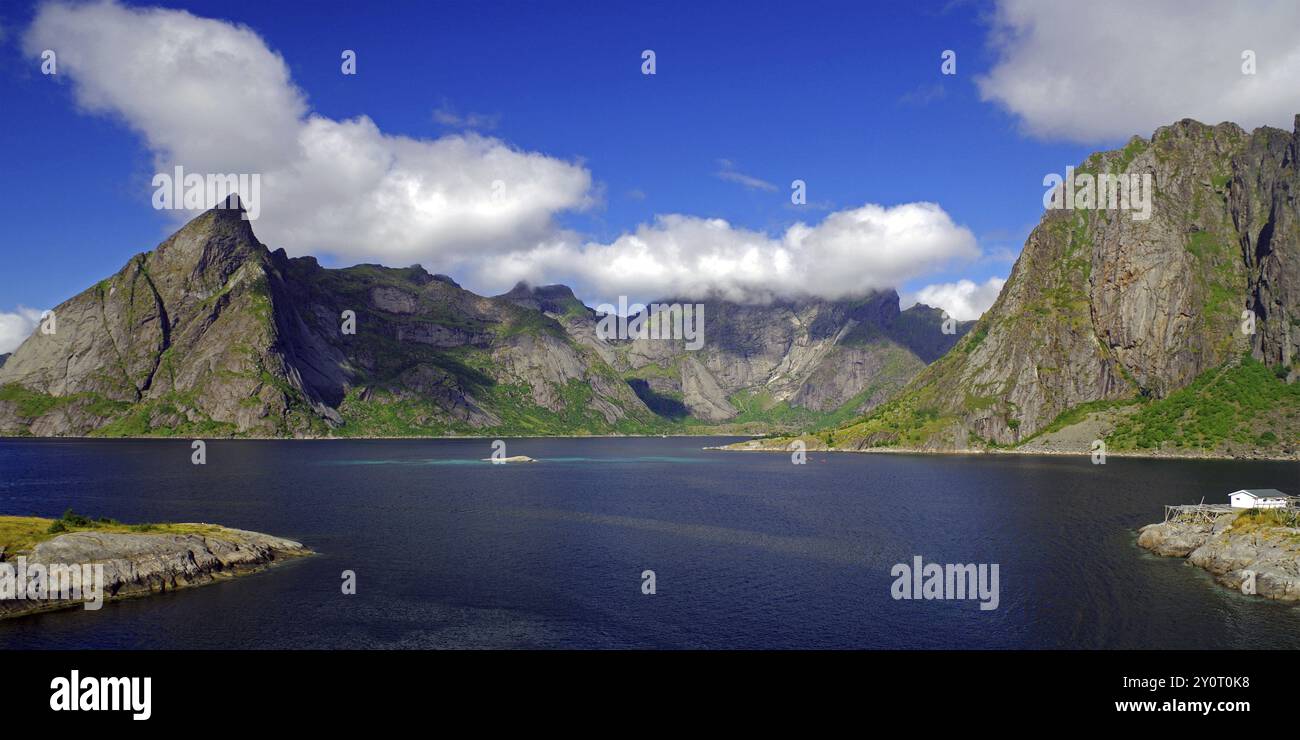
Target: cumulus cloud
<point>15,327</point>
<point>963,300</point>
<point>212,97</point>
<point>847,253</point>
<point>1108,69</point>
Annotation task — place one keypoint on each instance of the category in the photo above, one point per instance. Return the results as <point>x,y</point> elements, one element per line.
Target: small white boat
<point>504,460</point>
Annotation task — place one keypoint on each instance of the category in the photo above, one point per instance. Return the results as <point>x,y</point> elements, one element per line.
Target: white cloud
<point>964,299</point>
<point>210,96</point>
<point>1108,69</point>
<point>447,115</point>
<point>847,253</point>
<point>16,327</point>
<point>203,93</point>
<point>727,171</point>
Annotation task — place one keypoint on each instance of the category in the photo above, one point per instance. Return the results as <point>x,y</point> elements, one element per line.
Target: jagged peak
<point>232,204</point>
<point>217,241</point>
<point>228,216</point>
<point>551,299</point>
<point>762,299</point>
<point>415,274</point>
<point>923,308</point>
<point>554,291</point>
<point>1190,128</point>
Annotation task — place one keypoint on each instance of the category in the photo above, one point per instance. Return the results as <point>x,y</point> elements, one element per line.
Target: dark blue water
<point>749,550</point>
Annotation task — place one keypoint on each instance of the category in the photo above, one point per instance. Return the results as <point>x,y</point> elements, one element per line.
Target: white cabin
<point>1258,498</point>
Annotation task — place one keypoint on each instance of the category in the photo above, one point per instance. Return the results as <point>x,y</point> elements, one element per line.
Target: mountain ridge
<point>214,334</point>
<point>1103,311</point>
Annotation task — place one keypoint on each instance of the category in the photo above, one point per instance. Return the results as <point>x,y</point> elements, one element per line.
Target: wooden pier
<point>1207,513</point>
<point>1197,513</point>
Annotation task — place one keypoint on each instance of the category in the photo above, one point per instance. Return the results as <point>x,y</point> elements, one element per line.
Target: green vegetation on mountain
<point>213,335</point>
<point>1130,328</point>
<point>1239,406</point>
<point>1173,329</point>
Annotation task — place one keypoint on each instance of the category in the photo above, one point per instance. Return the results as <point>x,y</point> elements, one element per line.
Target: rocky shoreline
<point>142,564</point>
<point>1232,551</point>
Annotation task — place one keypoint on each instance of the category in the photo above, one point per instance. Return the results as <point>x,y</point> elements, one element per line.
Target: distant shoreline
<point>1029,453</point>
<point>1278,457</point>
<point>353,439</point>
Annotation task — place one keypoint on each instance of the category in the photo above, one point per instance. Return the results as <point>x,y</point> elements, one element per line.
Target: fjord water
<point>749,551</point>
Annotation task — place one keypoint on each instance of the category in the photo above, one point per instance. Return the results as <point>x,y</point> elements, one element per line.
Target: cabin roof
<point>1260,493</point>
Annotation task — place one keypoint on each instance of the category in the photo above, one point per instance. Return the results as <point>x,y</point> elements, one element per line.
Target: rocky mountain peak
<point>523,289</point>
<point>1114,305</point>
<point>212,333</point>
<point>210,248</point>
<point>552,299</point>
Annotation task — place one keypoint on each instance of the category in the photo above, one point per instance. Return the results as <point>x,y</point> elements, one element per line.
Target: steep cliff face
<point>788,363</point>
<point>1105,307</point>
<point>188,336</point>
<point>213,334</point>
<point>793,358</point>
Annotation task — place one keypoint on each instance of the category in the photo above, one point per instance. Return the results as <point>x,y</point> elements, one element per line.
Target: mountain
<point>1133,330</point>
<point>213,334</point>
<point>802,363</point>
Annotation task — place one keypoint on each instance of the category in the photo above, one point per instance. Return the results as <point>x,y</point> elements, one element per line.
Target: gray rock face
<point>1178,539</point>
<point>1103,306</point>
<point>1151,304</point>
<point>810,354</point>
<point>193,334</point>
<point>211,334</point>
<point>1272,554</point>
<point>140,564</point>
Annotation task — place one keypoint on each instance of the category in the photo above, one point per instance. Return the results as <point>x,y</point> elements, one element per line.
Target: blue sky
<point>848,97</point>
